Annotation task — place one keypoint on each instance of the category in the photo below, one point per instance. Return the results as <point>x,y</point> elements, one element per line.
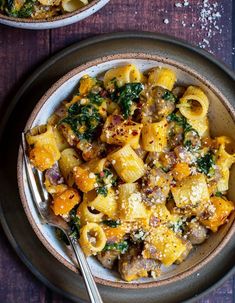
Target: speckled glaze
<point>220,111</point>
<point>194,278</point>
<point>58,21</point>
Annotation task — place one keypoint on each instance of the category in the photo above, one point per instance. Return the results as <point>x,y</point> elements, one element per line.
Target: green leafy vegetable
<point>122,246</point>
<point>74,223</point>
<point>180,120</point>
<point>191,139</point>
<point>169,96</point>
<point>85,117</point>
<point>105,178</point>
<point>126,95</point>
<point>95,98</point>
<point>205,164</point>
<point>24,12</point>
<point>112,223</point>
<point>218,194</point>
<point>178,226</point>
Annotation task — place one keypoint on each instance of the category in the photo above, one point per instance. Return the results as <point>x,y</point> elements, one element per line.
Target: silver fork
<point>40,197</point>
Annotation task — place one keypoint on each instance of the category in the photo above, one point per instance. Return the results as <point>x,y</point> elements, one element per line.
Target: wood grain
<point>22,50</point>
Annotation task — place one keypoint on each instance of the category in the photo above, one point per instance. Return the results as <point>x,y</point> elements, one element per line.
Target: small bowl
<point>222,122</point>
<point>54,22</point>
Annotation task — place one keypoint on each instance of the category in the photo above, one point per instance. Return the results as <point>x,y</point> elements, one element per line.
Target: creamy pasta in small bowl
<point>46,14</point>
<point>133,159</point>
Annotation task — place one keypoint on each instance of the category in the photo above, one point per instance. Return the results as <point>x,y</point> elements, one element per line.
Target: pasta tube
<point>131,206</point>
<point>191,193</point>
<point>163,77</point>
<point>127,164</point>
<point>120,132</point>
<point>194,104</point>
<point>168,246</point>
<point>154,136</point>
<point>95,165</point>
<point>68,160</point>
<point>201,126</point>
<point>44,151</point>
<point>60,140</point>
<point>92,238</point>
<point>122,75</point>
<point>72,5</point>
<point>107,205</point>
<point>224,160</point>
<point>86,214</point>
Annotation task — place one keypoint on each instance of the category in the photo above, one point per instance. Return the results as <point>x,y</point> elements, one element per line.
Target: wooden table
<point>204,23</point>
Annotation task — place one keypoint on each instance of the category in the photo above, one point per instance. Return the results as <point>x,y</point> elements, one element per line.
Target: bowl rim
<point>126,56</point>
<point>52,19</point>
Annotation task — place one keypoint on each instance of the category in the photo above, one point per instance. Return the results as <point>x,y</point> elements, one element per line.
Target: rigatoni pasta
<point>132,167</point>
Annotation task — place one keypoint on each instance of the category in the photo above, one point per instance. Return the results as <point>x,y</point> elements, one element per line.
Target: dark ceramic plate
<point>13,218</point>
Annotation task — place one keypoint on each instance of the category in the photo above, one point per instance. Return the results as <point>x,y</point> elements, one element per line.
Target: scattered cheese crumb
<point>91,175</point>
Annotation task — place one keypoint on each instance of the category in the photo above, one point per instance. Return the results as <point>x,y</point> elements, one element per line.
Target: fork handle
<point>91,287</point>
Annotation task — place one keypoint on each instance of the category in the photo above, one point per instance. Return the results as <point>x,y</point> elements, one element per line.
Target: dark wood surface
<point>211,27</point>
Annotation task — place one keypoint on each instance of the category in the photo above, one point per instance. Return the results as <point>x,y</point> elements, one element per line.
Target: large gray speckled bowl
<point>189,280</point>
<point>221,115</point>
<point>54,22</point>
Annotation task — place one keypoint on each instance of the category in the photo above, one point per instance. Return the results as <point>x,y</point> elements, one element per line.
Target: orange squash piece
<point>42,158</point>
<point>84,180</point>
<point>65,201</point>
<point>114,234</point>
<point>181,171</point>
<point>223,208</point>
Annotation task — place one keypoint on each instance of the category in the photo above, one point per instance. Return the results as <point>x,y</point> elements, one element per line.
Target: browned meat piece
<point>163,107</point>
<point>152,158</point>
<point>176,134</point>
<point>155,106</point>
<point>178,91</point>
<point>133,266</point>
<point>156,186</point>
<point>54,176</point>
<point>192,139</point>
<point>108,258</point>
<point>196,232</point>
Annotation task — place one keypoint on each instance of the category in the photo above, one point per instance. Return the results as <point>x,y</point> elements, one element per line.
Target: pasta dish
<point>40,9</point>
<point>129,162</point>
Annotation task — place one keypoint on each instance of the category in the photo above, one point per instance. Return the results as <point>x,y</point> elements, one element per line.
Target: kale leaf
<point>111,223</point>
<point>95,98</point>
<point>180,120</point>
<point>104,178</point>
<point>205,164</point>
<point>86,116</point>
<point>24,12</point>
<point>74,223</point>
<point>126,95</point>
<point>169,96</point>
<point>122,246</point>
